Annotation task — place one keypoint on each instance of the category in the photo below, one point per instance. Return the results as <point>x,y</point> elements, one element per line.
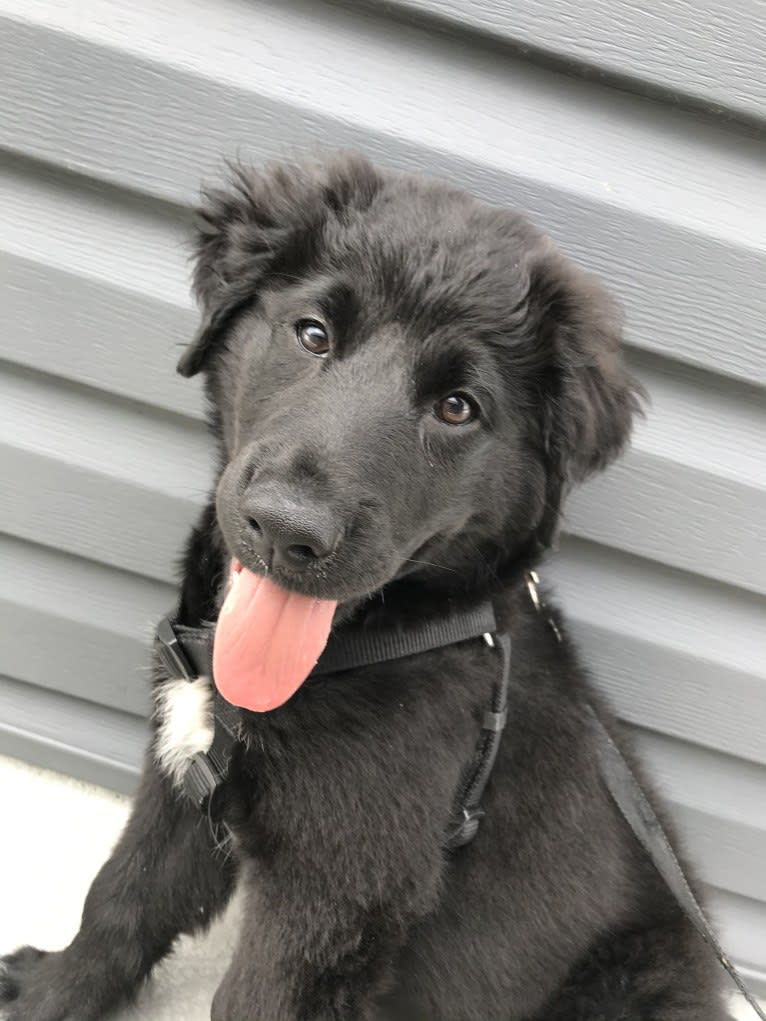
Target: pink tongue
<point>267,641</point>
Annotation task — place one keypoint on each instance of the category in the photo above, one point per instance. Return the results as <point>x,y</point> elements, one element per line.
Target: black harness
<point>187,652</point>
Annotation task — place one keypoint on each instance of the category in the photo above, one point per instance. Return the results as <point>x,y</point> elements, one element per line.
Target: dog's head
<point>403,378</point>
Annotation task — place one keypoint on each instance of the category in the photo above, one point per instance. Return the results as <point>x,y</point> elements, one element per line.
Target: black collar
<point>187,652</point>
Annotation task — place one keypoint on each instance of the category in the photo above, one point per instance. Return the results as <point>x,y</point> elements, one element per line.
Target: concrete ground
<point>43,884</point>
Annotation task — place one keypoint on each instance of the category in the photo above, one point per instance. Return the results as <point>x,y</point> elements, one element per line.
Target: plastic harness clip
<point>171,652</point>
<point>202,782</point>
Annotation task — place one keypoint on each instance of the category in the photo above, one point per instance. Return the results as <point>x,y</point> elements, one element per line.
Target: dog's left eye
<point>456,409</point>
<point>312,337</point>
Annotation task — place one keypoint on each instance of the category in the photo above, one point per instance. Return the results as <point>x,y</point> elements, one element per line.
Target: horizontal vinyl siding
<point>617,129</point>
<point>706,51</point>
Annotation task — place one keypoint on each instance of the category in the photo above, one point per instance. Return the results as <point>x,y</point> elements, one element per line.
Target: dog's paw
<point>13,967</point>
<point>26,992</point>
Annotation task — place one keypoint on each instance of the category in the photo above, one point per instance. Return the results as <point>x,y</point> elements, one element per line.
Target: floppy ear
<point>589,399</point>
<point>260,226</point>
<point>211,327</point>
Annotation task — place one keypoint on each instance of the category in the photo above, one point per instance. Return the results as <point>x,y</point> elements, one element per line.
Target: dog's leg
<point>663,973</point>
<point>304,955</point>
<point>164,878</point>
<point>345,987</point>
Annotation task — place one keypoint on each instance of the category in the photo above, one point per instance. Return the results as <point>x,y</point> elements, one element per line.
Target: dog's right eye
<point>312,337</point>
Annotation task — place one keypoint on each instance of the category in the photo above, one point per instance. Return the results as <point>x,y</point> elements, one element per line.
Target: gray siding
<point>636,137</point>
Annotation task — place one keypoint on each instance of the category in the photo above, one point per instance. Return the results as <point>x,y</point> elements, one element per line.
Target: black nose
<point>285,529</point>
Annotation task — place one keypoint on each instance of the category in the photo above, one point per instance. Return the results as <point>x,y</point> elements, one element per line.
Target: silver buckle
<point>533,580</point>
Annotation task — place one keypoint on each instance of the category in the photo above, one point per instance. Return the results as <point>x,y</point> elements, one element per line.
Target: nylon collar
<point>187,651</point>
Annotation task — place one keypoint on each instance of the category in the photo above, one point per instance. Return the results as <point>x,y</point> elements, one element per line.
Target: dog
<point>404,383</point>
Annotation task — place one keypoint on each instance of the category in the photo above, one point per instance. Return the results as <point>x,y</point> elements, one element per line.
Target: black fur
<point>341,797</point>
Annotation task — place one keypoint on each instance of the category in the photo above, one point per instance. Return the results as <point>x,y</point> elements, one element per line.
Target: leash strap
<point>629,797</point>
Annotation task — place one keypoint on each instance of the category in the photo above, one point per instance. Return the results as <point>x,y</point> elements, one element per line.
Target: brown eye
<point>456,409</point>
<point>312,337</point>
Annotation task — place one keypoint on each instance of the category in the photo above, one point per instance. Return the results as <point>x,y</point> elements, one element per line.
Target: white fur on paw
<point>184,710</point>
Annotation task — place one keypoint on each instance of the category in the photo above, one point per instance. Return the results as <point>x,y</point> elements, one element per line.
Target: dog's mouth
<point>269,634</point>
<point>274,624</point>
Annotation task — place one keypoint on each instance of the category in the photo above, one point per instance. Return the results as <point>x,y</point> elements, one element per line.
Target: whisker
<point>428,563</point>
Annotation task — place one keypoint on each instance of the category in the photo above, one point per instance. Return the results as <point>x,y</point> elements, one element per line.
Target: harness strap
<point>363,648</point>
<point>208,771</point>
<point>629,797</point>
<point>186,651</point>
<point>467,813</point>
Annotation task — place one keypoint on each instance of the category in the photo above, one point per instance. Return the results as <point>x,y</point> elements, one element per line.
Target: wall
<point>634,136</point>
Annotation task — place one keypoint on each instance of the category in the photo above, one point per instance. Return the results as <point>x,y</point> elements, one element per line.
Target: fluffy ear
<point>589,399</point>
<point>260,226</point>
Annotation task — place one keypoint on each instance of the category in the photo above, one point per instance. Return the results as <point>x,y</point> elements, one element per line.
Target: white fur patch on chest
<point>184,710</point>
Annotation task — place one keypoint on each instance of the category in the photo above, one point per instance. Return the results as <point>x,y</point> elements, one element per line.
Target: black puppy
<point>404,383</point>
